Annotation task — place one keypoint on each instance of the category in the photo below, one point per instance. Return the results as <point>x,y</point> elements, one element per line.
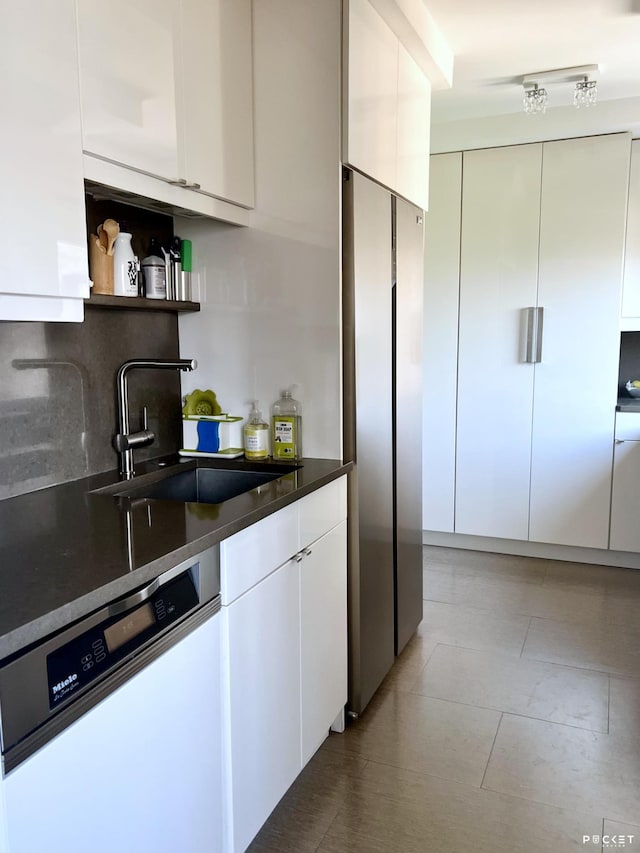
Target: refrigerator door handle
<point>539,328</point>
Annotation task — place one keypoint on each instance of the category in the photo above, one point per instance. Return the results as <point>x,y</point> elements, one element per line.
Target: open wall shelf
<point>98,300</point>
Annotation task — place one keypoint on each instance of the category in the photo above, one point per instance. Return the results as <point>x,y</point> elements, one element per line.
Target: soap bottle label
<point>255,441</point>
<point>283,437</point>
<point>154,281</point>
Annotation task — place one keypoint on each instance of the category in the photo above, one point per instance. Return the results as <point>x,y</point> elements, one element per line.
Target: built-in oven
<point>55,681</point>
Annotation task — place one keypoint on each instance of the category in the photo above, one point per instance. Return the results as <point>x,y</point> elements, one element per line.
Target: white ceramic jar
<point>125,267</point>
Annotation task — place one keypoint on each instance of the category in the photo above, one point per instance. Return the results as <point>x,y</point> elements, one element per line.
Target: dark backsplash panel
<point>629,360</point>
<point>58,399</point>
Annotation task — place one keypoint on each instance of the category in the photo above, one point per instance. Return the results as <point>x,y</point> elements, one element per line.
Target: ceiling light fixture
<point>535,99</point>
<point>585,94</point>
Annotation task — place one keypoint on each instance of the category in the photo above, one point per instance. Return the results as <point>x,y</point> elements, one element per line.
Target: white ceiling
<point>495,42</point>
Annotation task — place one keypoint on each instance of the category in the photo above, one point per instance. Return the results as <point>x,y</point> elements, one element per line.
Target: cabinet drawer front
<point>628,426</point>
<point>322,510</point>
<point>252,554</point>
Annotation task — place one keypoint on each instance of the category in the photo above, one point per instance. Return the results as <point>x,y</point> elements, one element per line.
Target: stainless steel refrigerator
<point>382,350</point>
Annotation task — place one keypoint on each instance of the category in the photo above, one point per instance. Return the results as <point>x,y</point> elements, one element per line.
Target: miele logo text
<point>62,684</point>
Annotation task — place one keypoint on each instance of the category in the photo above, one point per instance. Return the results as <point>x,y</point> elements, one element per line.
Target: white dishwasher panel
<point>139,772</point>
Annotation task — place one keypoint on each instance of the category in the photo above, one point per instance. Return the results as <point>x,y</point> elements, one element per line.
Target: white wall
<point>270,293</point>
<point>557,123</point>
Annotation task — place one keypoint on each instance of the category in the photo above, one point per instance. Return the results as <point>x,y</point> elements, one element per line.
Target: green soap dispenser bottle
<point>256,435</point>
<point>286,427</point>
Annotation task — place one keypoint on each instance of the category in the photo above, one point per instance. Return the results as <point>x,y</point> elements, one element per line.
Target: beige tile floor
<point>510,724</point>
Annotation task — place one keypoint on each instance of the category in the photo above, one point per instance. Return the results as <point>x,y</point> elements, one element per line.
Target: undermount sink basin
<point>199,485</point>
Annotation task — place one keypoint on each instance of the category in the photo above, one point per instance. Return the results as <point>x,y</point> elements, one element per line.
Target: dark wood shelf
<point>99,300</point>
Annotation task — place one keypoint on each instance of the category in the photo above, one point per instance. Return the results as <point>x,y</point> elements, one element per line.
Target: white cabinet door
<point>44,273</point>
<point>4,840</point>
<point>128,56</point>
<point>498,280</point>
<point>140,771</point>
<point>440,345</point>
<point>631,290</point>
<point>582,229</point>
<point>261,670</point>
<point>372,94</point>
<point>323,620</point>
<point>414,113</point>
<point>625,529</point>
<point>217,98</point>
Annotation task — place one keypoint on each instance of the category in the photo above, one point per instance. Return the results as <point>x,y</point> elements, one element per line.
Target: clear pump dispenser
<point>286,427</point>
<point>256,435</point>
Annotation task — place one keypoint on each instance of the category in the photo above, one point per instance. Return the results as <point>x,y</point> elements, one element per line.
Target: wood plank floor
<point>510,724</point>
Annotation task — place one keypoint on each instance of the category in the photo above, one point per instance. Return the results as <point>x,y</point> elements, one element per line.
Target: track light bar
<point>559,75</point>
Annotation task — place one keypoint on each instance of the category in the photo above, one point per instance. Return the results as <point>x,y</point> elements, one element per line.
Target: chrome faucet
<point>125,441</point>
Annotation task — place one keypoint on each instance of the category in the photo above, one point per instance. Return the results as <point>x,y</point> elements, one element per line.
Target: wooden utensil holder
<point>101,267</point>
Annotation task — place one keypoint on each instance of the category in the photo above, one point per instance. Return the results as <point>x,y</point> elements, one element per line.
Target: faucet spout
<point>124,441</point>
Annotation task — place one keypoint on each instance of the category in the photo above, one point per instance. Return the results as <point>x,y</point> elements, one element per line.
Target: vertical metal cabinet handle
<point>539,328</point>
<point>528,357</point>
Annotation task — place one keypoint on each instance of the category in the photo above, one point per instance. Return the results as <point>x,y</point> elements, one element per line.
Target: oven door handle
<point>135,598</point>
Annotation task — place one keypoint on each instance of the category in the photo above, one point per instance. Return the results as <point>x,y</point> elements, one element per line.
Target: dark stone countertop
<point>628,404</point>
<point>65,552</point>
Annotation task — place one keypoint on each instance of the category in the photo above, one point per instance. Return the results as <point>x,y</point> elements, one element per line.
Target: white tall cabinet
<point>542,237</point>
<point>582,235</point>
<point>440,348</point>
<point>498,281</point>
<point>631,290</point>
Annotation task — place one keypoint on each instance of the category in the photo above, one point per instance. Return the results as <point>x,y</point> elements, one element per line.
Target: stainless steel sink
<point>195,485</point>
<point>202,485</point>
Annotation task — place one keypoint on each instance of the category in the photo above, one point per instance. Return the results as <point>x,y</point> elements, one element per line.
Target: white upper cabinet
<point>387,106</point>
<point>217,100</point>
<point>631,289</point>
<point>129,50</point>
<point>372,98</point>
<point>42,216</point>
<point>414,113</point>
<point>167,91</point>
